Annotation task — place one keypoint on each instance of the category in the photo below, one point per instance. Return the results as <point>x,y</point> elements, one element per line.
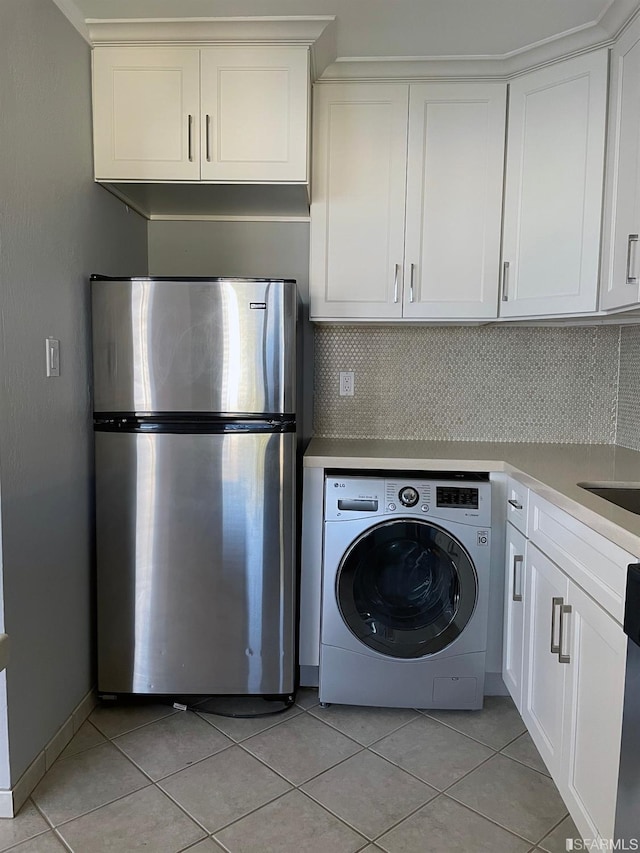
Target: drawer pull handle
<point>518,559</point>
<point>514,503</point>
<point>631,279</point>
<point>395,283</point>
<point>208,137</point>
<point>555,646</point>
<point>413,266</point>
<point>562,657</point>
<point>190,137</point>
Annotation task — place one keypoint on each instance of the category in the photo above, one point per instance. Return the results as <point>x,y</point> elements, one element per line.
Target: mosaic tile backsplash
<point>533,384</point>
<point>628,431</point>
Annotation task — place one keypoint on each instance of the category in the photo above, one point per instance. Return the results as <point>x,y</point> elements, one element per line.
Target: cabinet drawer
<point>593,562</point>
<point>517,504</point>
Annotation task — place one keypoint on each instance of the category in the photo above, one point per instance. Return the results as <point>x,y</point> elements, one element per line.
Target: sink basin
<point>625,495</point>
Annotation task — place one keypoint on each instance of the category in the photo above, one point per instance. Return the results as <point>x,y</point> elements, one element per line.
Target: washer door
<point>406,588</point>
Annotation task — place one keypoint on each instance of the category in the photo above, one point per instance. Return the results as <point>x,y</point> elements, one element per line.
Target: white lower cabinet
<point>544,677</point>
<point>592,724</point>
<point>516,549</point>
<point>573,685</point>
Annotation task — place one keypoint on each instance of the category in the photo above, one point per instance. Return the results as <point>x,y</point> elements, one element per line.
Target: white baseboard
<point>12,800</point>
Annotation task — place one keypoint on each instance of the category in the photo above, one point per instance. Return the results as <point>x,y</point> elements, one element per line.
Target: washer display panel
<point>406,588</point>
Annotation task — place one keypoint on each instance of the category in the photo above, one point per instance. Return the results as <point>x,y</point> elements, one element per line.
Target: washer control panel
<point>348,497</point>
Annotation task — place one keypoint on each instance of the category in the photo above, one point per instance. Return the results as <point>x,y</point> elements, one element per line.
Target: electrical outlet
<point>347,383</point>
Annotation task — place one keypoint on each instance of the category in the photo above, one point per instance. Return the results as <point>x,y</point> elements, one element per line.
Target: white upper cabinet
<point>553,188</point>
<point>406,200</point>
<point>454,199</point>
<point>621,255</point>
<point>227,114</point>
<point>358,197</point>
<point>146,113</point>
<point>254,114</point>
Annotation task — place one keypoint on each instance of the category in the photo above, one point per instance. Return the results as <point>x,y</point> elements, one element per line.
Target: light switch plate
<point>52,356</point>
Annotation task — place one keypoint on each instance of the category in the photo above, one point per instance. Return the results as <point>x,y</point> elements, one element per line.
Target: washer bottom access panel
<point>454,683</point>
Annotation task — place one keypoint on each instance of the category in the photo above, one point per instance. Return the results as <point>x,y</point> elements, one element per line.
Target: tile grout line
<point>387,734</point>
<point>281,797</point>
<point>293,786</point>
<point>425,713</point>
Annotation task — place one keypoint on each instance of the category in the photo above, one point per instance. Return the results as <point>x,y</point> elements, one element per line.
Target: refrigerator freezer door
<point>220,345</point>
<point>196,563</point>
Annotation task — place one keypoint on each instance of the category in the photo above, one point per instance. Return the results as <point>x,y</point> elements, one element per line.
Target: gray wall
<point>258,249</point>
<point>56,227</point>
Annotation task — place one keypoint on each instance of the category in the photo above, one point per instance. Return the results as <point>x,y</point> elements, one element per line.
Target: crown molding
<point>314,32</point>
<point>74,16</point>
<point>460,68</point>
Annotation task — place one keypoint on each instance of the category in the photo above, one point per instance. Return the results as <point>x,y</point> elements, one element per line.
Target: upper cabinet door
<point>255,114</point>
<point>454,199</point>
<point>146,107</point>
<point>621,255</point>
<point>553,192</point>
<point>357,210</point>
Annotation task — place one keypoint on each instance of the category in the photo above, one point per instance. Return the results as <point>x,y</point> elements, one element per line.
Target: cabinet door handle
<point>631,279</point>
<point>395,283</point>
<point>413,266</point>
<point>518,559</point>
<point>555,647</point>
<point>505,281</point>
<point>514,503</point>
<point>562,657</point>
<point>190,125</point>
<point>208,137</point>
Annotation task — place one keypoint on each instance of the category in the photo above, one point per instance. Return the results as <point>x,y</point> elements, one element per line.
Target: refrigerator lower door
<point>196,563</point>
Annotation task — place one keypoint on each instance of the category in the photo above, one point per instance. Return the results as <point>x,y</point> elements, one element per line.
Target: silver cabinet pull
<point>395,283</point>
<point>505,281</point>
<point>413,266</point>
<point>190,137</point>
<point>514,503</point>
<point>555,647</point>
<point>208,137</point>
<point>562,657</point>
<point>631,279</point>
<point>518,559</point>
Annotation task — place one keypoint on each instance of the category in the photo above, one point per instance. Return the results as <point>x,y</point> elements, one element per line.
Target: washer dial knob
<point>408,496</point>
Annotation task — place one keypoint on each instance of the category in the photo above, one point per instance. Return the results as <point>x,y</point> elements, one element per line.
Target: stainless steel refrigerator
<point>195,445</point>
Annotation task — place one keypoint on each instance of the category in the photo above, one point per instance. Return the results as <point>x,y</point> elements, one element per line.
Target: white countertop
<point>552,470</point>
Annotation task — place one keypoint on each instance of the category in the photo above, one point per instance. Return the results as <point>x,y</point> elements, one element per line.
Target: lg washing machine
<point>405,591</point>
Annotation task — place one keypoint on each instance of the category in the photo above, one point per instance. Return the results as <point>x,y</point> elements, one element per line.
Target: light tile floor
<point>319,780</point>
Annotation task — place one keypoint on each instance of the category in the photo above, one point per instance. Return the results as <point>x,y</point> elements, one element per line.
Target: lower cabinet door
<point>543,699</point>
<point>514,598</point>
<point>596,647</point>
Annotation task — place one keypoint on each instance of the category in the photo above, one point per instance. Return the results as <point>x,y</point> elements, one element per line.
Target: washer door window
<point>406,588</point>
